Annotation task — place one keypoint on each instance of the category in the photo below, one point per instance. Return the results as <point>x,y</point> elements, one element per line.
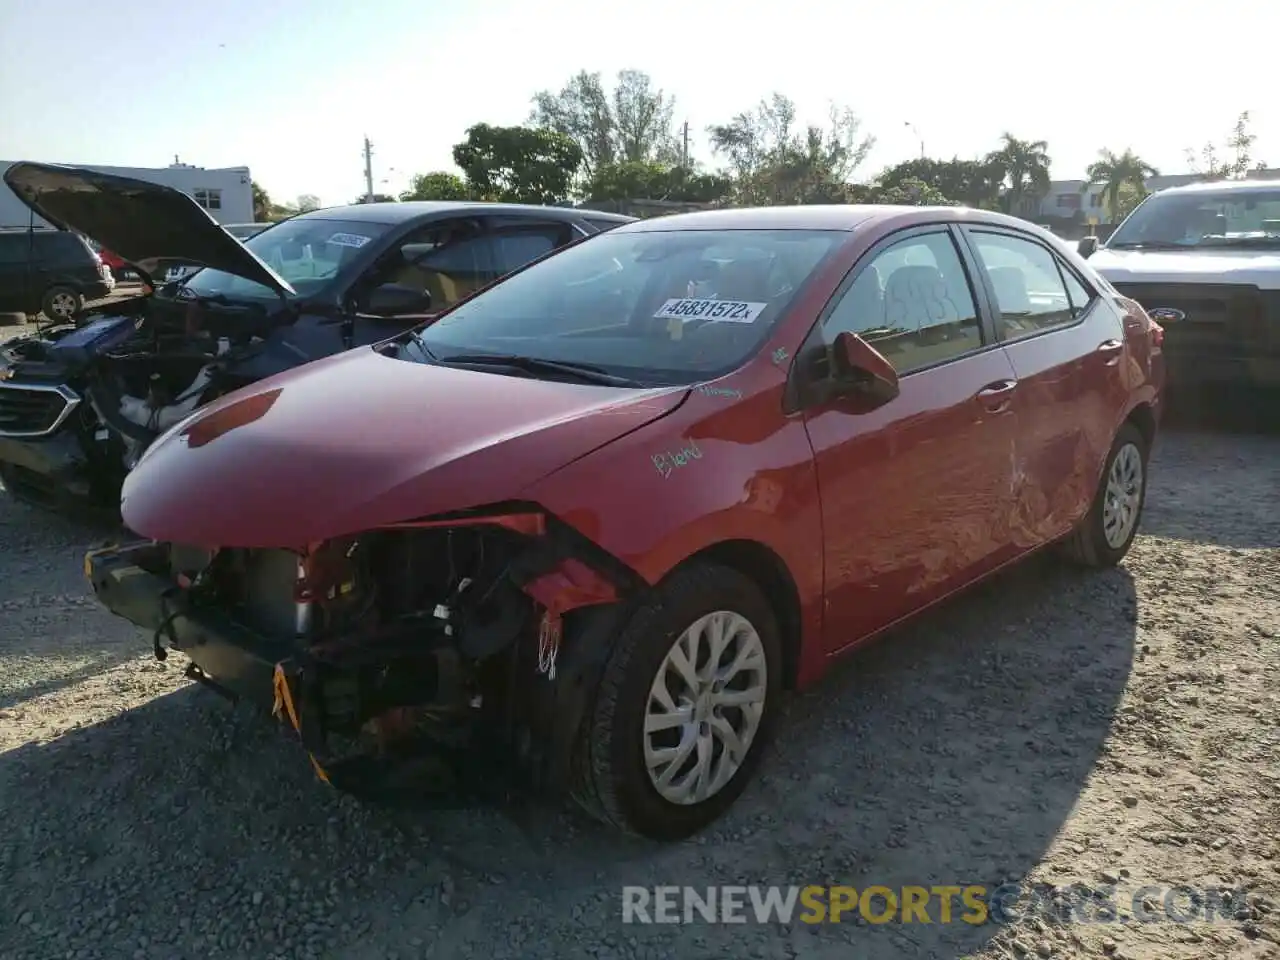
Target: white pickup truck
<point>1204,260</point>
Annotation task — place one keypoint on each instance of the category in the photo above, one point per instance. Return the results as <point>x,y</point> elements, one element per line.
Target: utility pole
<point>912,127</point>
<point>368,171</point>
<point>684,146</point>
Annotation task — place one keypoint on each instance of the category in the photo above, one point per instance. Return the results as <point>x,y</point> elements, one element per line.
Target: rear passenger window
<point>1080,297</point>
<point>514,247</point>
<point>913,303</point>
<point>1031,293</point>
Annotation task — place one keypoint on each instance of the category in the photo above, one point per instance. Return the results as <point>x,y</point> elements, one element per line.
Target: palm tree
<point>1114,173</point>
<point>1025,168</point>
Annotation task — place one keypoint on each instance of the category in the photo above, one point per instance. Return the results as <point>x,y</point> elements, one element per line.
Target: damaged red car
<point>582,532</point>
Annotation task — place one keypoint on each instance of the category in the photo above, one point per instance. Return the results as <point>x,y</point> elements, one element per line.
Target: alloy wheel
<point>63,304</point>
<point>704,708</point>
<point>1123,496</point>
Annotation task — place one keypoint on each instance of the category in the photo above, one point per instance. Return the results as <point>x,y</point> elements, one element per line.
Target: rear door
<point>914,494</point>
<point>14,251</point>
<point>1067,347</point>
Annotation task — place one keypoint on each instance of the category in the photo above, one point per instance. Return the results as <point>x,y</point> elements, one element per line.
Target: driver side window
<point>446,261</point>
<point>912,302</point>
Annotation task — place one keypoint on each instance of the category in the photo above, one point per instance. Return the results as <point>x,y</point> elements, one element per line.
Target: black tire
<point>611,781</point>
<point>1087,545</point>
<point>56,299</point>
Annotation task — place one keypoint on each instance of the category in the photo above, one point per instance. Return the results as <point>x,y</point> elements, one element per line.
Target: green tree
<point>1114,172</point>
<point>518,164</point>
<point>376,198</point>
<point>1239,149</point>
<point>1024,170</point>
<point>438,185</point>
<point>911,192</point>
<point>631,123</point>
<point>653,180</point>
<point>262,206</point>
<point>973,183</point>
<point>306,202</point>
<point>775,161</point>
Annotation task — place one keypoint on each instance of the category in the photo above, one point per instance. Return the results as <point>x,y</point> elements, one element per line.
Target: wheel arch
<point>1143,417</point>
<point>761,564</point>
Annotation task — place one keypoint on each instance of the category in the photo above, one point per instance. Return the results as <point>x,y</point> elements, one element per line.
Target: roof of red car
<point>814,217</point>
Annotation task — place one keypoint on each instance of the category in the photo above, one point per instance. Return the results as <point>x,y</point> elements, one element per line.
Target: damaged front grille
<point>34,410</point>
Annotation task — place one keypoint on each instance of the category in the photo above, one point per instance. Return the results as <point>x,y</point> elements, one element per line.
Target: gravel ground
<point>1052,726</point>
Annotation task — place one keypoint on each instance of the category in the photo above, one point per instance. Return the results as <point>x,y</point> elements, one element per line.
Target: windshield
<point>667,307</point>
<point>308,252</point>
<point>1209,219</point>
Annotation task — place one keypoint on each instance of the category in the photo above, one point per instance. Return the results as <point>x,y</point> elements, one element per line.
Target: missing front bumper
<point>319,701</point>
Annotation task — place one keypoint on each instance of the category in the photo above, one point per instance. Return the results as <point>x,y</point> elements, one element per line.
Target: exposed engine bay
<point>407,654</point>
<point>144,367</point>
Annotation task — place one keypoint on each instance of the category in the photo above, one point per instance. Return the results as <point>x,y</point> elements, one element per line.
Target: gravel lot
<point>1054,726</point>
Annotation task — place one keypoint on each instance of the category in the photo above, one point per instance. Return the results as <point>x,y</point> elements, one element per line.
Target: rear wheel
<point>1106,532</point>
<point>61,303</point>
<point>685,706</point>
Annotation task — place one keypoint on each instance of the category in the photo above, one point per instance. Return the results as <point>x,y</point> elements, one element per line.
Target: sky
<point>290,88</point>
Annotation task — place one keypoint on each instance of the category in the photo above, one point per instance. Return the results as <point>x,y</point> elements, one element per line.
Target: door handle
<point>997,396</point>
<point>1111,349</point>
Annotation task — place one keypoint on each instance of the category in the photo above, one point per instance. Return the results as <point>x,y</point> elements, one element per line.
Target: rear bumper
<point>99,290</point>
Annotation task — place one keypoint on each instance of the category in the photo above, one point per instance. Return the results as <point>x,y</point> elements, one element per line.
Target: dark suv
<point>51,272</point>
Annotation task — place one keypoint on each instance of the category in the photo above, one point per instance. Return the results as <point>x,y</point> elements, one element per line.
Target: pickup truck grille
<point>1222,319</point>
<point>34,410</point>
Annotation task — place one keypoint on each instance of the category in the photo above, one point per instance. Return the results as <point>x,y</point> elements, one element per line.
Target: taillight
<point>1157,334</point>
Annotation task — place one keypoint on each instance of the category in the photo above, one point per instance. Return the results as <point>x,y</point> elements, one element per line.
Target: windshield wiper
<point>581,371</point>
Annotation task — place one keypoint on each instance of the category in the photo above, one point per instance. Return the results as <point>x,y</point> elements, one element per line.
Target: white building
<point>226,192</point>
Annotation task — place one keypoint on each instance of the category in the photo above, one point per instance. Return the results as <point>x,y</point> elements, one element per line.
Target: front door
<point>914,494</point>
<point>1066,346</point>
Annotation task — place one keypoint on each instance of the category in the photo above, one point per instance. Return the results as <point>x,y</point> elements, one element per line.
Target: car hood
<point>1258,267</point>
<point>362,439</point>
<point>142,223</point>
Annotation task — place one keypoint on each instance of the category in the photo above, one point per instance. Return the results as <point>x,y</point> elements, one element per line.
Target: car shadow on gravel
<point>950,753</point>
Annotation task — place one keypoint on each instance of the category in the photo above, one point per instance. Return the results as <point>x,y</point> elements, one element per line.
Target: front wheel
<point>1107,531</point>
<point>684,708</point>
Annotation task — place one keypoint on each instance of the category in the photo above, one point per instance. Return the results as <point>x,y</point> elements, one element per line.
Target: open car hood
<point>142,223</point>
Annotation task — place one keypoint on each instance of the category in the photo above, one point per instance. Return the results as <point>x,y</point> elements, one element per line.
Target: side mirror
<point>1087,246</point>
<point>393,299</point>
<point>861,373</point>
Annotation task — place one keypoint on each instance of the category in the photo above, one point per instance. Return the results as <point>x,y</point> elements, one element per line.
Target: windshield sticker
<point>726,392</point>
<point>348,240</point>
<point>726,311</point>
<point>667,463</point>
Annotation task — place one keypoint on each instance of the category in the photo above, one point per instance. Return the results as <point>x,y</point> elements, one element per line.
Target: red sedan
<point>591,524</point>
